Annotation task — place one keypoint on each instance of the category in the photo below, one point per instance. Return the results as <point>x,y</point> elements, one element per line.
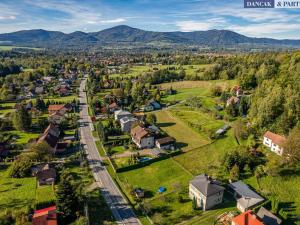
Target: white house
<point>119,114</point>
<point>142,137</point>
<point>206,192</point>
<point>274,142</point>
<point>126,123</point>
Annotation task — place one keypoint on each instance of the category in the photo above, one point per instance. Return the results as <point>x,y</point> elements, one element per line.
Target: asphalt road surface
<point>121,211</point>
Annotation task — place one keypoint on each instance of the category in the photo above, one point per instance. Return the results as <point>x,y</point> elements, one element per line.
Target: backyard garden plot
<point>6,108</point>
<point>22,137</point>
<point>185,136</point>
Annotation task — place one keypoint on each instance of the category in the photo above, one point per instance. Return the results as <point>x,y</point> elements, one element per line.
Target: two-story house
<point>274,142</point>
<point>206,191</point>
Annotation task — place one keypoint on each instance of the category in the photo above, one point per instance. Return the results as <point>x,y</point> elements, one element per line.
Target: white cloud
<point>192,25</point>
<point>111,21</point>
<point>275,30</point>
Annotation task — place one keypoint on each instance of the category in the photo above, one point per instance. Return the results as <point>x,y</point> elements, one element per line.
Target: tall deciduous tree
<point>22,119</point>
<point>292,147</point>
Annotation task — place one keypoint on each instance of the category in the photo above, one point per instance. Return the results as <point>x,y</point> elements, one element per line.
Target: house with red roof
<point>246,218</point>
<point>274,142</point>
<point>57,108</point>
<point>46,216</point>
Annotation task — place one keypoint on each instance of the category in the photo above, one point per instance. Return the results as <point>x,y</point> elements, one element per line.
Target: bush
<point>21,166</point>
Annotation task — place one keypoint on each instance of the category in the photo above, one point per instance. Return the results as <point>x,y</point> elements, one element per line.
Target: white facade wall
<point>274,148</point>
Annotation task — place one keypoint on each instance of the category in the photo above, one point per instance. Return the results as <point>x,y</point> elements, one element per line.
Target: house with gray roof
<point>206,191</point>
<point>119,114</point>
<point>267,217</point>
<point>246,198</point>
<point>126,123</point>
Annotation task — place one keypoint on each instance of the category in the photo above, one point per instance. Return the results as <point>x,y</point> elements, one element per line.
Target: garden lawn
<point>206,159</point>
<point>64,99</point>
<point>185,136</point>
<point>15,193</point>
<point>45,194</point>
<point>166,173</point>
<point>23,137</point>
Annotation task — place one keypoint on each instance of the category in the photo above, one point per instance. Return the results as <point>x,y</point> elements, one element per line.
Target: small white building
<point>119,114</point>
<point>166,143</point>
<point>206,192</point>
<point>126,123</point>
<point>274,142</point>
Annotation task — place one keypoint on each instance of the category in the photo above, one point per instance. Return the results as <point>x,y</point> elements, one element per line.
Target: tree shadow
<point>168,124</point>
<point>181,144</point>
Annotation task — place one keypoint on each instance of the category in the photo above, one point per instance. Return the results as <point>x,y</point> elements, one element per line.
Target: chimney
<point>246,218</point>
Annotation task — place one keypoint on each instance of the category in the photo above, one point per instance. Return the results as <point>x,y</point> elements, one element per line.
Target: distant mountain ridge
<point>125,34</point>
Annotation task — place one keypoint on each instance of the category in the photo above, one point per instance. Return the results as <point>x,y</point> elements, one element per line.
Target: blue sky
<point>156,15</point>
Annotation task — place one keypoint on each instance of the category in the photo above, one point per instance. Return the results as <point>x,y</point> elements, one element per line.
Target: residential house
<point>139,193</point>
<point>113,107</point>
<point>246,218</point>
<point>56,117</point>
<point>46,216</point>
<point>274,142</point>
<point>39,90</point>
<point>142,137</point>
<point>46,176</point>
<point>63,89</point>
<point>51,137</point>
<point>152,105</point>
<point>62,109</point>
<point>166,143</point>
<point>246,198</point>
<point>232,101</point>
<point>126,123</point>
<point>267,217</point>
<point>206,191</point>
<point>119,114</point>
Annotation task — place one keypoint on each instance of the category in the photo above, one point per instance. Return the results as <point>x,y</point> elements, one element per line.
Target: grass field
<point>9,48</point>
<point>197,84</point>
<point>186,137</point>
<point>189,69</point>
<point>201,122</point>
<point>20,193</point>
<point>206,159</point>
<point>23,137</point>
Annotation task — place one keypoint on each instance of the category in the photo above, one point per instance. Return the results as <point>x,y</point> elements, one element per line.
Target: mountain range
<point>128,35</point>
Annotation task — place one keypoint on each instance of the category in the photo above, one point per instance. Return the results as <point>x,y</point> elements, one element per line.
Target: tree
<point>22,119</point>
<point>150,118</point>
<point>21,166</point>
<point>291,147</point>
<point>42,151</point>
<point>66,201</point>
<point>40,104</point>
<point>240,130</point>
<point>216,90</point>
<point>194,203</point>
<point>235,173</point>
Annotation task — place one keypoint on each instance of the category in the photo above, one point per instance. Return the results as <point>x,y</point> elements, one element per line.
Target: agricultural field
<point>135,71</point>
<point>9,48</point>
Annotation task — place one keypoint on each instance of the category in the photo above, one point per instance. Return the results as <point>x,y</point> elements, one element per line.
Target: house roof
<point>138,133</point>
<point>276,139</point>
<point>55,107</point>
<point>122,112</point>
<point>206,185</point>
<point>45,216</point>
<point>128,119</point>
<point>46,174</point>
<point>53,130</point>
<point>49,139</point>
<point>247,218</point>
<point>113,105</point>
<point>248,197</point>
<point>267,217</point>
<point>165,140</point>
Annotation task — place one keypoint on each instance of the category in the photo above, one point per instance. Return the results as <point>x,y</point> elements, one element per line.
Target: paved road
<point>112,195</point>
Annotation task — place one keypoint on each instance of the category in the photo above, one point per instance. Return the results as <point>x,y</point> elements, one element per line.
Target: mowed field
<point>186,137</point>
<point>135,71</point>
<point>19,193</point>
